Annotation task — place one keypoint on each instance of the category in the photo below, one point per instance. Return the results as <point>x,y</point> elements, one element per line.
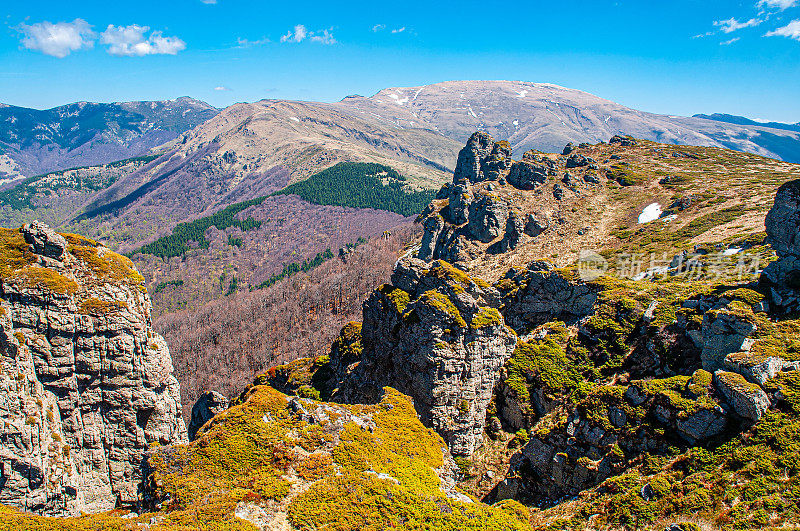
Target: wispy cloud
<point>222,88</point>
<point>59,39</point>
<point>731,25</point>
<point>399,30</point>
<point>777,4</point>
<point>791,30</point>
<point>131,41</point>
<point>729,41</point>
<point>245,43</point>
<point>300,33</point>
<point>378,27</point>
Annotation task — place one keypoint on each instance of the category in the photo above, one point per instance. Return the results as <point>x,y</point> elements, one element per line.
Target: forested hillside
<point>362,185</point>
<point>222,344</point>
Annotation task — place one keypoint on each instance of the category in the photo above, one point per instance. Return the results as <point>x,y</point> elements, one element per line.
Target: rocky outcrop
<point>431,335</point>
<point>209,404</point>
<point>482,159</point>
<point>86,385</point>
<point>541,293</point>
<point>782,277</point>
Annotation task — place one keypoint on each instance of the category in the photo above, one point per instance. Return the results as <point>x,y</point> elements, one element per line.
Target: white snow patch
<point>650,213</point>
<point>732,251</point>
<point>472,113</point>
<point>515,122</point>
<point>522,93</point>
<point>295,118</point>
<point>398,100</point>
<point>671,217</point>
<point>417,94</point>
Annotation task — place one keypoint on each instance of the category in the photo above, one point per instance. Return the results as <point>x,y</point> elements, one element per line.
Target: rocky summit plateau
<point>605,337</point>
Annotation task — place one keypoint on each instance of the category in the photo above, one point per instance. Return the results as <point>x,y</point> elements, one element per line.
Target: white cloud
<point>791,30</point>
<point>399,30</point>
<point>731,25</point>
<point>325,38</point>
<point>131,41</point>
<point>222,89</point>
<point>777,4</point>
<point>59,39</point>
<point>730,41</point>
<point>298,34</point>
<point>209,2</point>
<point>378,27</point>
<point>301,33</point>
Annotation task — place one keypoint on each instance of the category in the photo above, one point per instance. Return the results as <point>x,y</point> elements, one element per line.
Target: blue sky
<point>671,56</point>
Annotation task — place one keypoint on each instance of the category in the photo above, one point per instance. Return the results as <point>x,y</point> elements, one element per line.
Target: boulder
<point>44,240</point>
<point>535,224</point>
<point>569,148</point>
<point>527,175</point>
<point>723,333</point>
<point>459,199</point>
<point>747,399</point>
<point>205,408</point>
<point>576,160</point>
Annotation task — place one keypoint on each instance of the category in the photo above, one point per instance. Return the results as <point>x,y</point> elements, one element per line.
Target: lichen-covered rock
<point>746,398</point>
<point>487,218</point>
<point>209,404</point>
<point>758,369</point>
<point>86,385</point>
<point>724,332</point>
<point>436,340</point>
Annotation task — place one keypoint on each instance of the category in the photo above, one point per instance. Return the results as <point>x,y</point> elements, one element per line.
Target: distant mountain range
<point>741,120</point>
<point>545,117</point>
<point>85,134</point>
<point>538,116</point>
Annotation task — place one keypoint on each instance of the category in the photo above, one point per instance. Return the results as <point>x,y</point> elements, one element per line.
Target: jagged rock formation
<point>469,214</point>
<point>432,335</point>
<point>86,385</point>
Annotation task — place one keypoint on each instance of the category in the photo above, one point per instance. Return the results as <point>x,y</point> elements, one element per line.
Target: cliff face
<point>86,385</point>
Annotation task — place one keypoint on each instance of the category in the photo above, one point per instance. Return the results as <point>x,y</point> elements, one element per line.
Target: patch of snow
<point>650,213</point>
<point>417,94</point>
<point>398,100</point>
<point>607,119</point>
<point>522,93</point>
<point>472,112</point>
<point>516,123</point>
<point>295,118</point>
<point>732,251</point>
<point>671,217</point>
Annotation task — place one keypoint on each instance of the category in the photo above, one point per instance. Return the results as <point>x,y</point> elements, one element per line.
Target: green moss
<point>398,298</point>
<point>486,317</point>
<point>442,303</point>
